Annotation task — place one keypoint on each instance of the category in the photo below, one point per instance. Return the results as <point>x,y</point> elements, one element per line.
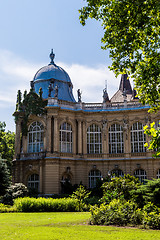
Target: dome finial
<point>52,55</point>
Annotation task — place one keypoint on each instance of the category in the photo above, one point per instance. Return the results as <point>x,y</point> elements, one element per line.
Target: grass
<point>66,226</point>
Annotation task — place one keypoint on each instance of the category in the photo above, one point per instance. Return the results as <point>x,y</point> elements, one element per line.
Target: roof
<point>54,81</point>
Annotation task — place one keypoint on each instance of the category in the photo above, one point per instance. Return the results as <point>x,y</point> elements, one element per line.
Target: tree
<point>132,33</point>
<point>81,194</point>
<point>5,177</point>
<point>7,140</point>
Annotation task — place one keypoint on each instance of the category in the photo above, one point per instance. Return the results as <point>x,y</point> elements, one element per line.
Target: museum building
<point>63,140</point>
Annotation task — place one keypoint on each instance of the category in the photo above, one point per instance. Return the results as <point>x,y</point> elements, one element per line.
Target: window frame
<point>66,137</point>
<point>33,182</point>
<point>94,139</point>
<point>138,138</point>
<point>116,139</point>
<point>35,137</point>
<point>93,176</point>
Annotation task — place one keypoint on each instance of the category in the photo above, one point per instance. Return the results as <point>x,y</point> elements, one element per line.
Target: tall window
<point>66,138</point>
<point>94,175</point>
<point>94,140</point>
<point>141,174</point>
<point>116,144</point>
<point>35,137</point>
<point>138,138</point>
<point>33,181</point>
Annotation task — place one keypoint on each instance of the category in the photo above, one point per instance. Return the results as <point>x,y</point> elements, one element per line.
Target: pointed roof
<point>125,84</point>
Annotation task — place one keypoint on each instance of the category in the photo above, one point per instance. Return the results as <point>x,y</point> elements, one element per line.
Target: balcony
<point>32,156</point>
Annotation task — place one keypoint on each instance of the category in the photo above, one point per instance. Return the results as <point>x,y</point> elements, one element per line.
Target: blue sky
<point>29,29</point>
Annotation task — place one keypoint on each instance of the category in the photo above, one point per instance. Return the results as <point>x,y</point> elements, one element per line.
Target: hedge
<point>28,204</point>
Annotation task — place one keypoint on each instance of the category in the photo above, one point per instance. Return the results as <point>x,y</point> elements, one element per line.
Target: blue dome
<point>52,71</point>
<point>53,77</point>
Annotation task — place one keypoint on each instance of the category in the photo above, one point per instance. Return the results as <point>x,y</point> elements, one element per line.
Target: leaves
<point>132,34</point>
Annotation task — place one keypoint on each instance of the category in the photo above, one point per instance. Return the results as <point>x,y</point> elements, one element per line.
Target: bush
<point>6,208</point>
<point>15,191</point>
<point>45,205</point>
<point>81,194</point>
<point>151,220</point>
<point>117,212</point>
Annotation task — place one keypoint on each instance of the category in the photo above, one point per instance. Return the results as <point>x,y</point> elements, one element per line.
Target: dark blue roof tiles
<point>48,77</point>
<point>52,71</point>
<point>64,90</point>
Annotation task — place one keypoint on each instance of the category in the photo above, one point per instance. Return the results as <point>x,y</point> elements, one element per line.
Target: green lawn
<point>64,226</point>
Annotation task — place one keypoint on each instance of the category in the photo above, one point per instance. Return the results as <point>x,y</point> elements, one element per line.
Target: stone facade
<point>82,142</point>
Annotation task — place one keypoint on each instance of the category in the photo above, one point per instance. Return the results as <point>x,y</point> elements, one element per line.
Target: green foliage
<point>150,192</point>
<point>31,104</point>
<point>154,134</point>
<point>5,177</point>
<point>117,212</point>
<point>6,208</point>
<point>132,35</point>
<point>81,194</point>
<point>15,191</point>
<point>151,220</point>
<point>119,188</point>
<point>45,205</point>
<point>7,140</point>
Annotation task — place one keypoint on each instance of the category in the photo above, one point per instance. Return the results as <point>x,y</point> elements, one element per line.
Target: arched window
<point>35,137</point>
<point>33,181</point>
<point>117,173</point>
<point>66,138</point>
<point>138,138</point>
<point>116,144</point>
<point>94,175</point>
<point>141,174</point>
<point>158,173</point>
<point>94,140</point>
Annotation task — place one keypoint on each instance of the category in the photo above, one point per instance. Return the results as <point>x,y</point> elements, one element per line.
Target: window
<point>35,137</point>
<point>94,141</point>
<point>33,181</point>
<point>158,173</point>
<point>116,144</point>
<point>94,175</point>
<point>66,138</point>
<point>141,174</point>
<point>117,173</point>
<point>138,138</point>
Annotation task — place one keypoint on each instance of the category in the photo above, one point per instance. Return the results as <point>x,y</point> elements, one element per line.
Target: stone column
<point>40,177</point>
<point>56,134</point>
<point>84,138</point>
<point>48,134</point>
<point>18,139</point>
<point>79,137</point>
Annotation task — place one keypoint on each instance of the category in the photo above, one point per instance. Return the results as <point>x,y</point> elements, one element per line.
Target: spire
<point>125,84</point>
<point>52,55</point>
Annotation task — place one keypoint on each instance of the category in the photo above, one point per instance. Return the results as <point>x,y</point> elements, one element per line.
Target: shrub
<point>6,208</point>
<point>151,220</point>
<point>81,194</point>
<point>117,212</point>
<point>15,191</point>
<point>149,192</point>
<point>119,187</point>
<point>45,205</point>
